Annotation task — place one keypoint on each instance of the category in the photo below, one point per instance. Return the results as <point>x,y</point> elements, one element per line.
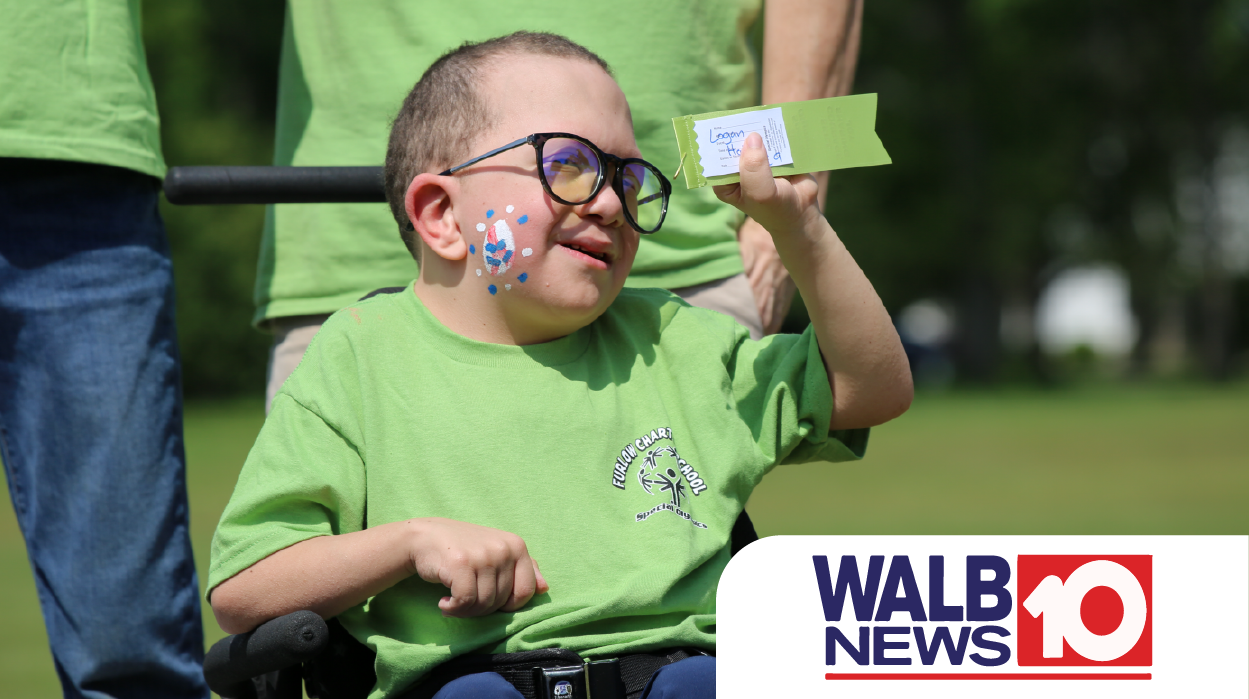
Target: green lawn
<point>218,437</point>
<point>1106,460</point>
<point>1103,460</point>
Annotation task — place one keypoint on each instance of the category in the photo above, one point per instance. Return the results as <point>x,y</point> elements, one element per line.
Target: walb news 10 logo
<point>979,613</point>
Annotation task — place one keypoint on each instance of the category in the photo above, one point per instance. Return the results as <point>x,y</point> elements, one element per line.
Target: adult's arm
<point>810,48</point>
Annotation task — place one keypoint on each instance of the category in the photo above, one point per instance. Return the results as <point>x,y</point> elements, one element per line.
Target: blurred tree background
<point>215,68</point>
<point>1031,136</point>
<point>1028,137</point>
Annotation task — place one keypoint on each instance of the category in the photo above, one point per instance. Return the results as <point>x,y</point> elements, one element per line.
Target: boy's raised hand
<point>486,569</point>
<point>780,204</point>
<point>867,368</point>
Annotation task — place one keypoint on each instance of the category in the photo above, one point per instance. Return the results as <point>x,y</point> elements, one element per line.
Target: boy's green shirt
<point>622,455</point>
<point>346,68</point>
<point>75,84</point>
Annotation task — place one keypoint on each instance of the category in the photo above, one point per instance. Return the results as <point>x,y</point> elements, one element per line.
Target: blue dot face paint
<point>523,276</point>
<point>523,219</point>
<point>493,289</point>
<point>472,249</point>
<point>490,213</point>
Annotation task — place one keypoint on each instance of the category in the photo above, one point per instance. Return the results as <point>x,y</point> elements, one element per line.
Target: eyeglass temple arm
<point>514,144</point>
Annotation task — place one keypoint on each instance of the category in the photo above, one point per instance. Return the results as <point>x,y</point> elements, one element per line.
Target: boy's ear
<point>431,209</point>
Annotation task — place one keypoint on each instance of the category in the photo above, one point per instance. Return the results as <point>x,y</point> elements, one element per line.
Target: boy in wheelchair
<point>515,404</point>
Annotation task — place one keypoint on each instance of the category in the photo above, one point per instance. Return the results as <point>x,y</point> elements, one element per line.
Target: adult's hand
<point>769,280</point>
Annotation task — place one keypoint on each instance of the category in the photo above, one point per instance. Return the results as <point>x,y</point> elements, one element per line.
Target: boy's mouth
<point>600,255</point>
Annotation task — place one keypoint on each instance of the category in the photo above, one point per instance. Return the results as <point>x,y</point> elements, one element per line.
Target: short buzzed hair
<point>444,113</point>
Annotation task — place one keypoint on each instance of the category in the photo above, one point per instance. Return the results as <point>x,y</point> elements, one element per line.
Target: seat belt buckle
<point>597,679</point>
<point>566,682</point>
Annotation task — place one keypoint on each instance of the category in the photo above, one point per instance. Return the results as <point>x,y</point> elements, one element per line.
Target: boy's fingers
<point>524,584</point>
<point>493,572</point>
<point>543,587</point>
<point>505,588</point>
<point>487,590</point>
<point>753,143</point>
<point>463,594</point>
<point>806,184</point>
<point>728,193</point>
<point>753,169</point>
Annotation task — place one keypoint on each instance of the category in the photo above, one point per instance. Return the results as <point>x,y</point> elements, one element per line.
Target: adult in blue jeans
<point>90,397</point>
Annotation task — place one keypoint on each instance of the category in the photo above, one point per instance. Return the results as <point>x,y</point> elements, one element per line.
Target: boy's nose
<point>606,207</point>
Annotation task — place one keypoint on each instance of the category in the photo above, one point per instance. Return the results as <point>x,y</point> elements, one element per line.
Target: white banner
<point>985,616</point>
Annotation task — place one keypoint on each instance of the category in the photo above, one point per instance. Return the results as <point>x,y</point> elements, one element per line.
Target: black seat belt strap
<point>558,673</point>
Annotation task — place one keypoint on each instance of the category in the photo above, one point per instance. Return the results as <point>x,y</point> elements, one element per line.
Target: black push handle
<point>234,184</point>
<point>274,645</point>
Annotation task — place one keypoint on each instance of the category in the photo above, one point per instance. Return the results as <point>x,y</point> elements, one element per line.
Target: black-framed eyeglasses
<point>573,171</point>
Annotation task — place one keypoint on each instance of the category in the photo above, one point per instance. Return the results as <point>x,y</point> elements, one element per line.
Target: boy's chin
<point>567,313</point>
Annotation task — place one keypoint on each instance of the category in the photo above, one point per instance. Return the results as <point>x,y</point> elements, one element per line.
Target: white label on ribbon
<point>720,140</point>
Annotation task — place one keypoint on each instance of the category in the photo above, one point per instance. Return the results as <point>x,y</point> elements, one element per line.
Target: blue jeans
<point>692,678</point>
<point>91,427</point>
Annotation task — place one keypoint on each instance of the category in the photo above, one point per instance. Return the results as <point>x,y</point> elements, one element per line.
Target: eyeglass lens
<point>643,196</point>
<point>571,169</point>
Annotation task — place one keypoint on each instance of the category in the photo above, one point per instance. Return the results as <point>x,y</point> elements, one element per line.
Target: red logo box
<point>1085,610</point>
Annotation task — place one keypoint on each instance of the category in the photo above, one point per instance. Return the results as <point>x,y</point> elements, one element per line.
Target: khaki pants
<point>731,296</point>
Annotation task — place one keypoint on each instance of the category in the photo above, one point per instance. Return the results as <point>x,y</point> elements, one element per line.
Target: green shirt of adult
<point>346,67</point>
<point>75,84</point>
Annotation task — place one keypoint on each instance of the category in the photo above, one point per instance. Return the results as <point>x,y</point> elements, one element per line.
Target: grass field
<point>1171,459</point>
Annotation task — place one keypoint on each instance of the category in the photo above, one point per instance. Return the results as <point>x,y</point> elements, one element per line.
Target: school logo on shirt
<point>661,473</point>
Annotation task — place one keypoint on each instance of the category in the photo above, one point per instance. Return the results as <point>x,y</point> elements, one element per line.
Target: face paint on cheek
<point>523,276</point>
<point>498,248</point>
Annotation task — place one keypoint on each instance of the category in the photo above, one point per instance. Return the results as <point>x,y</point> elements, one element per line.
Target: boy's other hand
<point>782,205</point>
<point>486,569</point>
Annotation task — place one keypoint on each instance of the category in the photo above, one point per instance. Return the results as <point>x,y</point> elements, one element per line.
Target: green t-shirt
<point>346,68</point>
<point>622,455</point>
<point>75,84</point>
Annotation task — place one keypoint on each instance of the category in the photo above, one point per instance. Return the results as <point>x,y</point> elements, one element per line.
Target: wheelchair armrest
<point>276,644</point>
